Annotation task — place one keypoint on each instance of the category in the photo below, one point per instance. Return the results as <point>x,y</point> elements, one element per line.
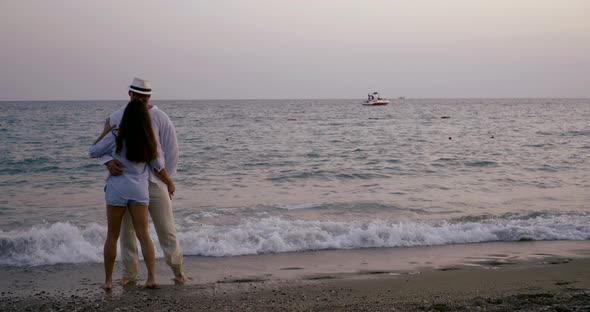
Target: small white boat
<point>374,99</point>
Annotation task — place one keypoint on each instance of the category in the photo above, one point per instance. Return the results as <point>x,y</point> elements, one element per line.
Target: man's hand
<point>114,167</point>
<point>171,189</point>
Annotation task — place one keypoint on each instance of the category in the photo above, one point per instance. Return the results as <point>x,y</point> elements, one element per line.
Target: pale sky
<point>252,49</point>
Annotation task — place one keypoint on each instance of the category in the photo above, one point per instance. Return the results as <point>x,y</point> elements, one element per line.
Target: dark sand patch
<point>493,263</point>
<point>319,277</point>
<point>290,269</point>
<point>448,269</point>
<point>243,280</point>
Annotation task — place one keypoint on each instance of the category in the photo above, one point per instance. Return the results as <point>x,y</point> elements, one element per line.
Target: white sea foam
<point>66,243</point>
<point>278,235</point>
<point>51,244</point>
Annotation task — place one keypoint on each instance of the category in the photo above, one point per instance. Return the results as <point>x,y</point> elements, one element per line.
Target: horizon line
<point>303,99</point>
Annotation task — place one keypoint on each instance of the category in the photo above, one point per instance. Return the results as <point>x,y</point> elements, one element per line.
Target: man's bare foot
<point>125,281</point>
<point>180,279</point>
<point>151,285</point>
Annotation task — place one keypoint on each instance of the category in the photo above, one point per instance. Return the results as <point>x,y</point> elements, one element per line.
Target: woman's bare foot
<point>107,286</point>
<point>180,279</point>
<point>151,282</point>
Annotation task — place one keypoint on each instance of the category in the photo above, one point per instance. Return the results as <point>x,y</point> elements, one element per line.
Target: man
<point>160,206</point>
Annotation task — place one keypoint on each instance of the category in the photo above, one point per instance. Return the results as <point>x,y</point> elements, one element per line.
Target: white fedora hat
<point>141,86</point>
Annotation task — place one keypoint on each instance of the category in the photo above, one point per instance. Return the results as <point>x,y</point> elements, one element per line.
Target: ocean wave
<point>326,175</point>
<point>481,163</point>
<point>579,133</point>
<point>11,171</point>
<point>51,244</point>
<point>67,243</point>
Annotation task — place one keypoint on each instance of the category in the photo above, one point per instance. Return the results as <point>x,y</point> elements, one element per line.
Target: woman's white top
<point>133,183</point>
<point>165,135</point>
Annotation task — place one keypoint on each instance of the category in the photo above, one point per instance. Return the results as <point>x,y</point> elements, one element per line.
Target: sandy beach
<point>523,276</point>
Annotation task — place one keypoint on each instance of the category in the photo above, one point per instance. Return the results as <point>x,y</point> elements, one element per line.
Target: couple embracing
<point>139,147</point>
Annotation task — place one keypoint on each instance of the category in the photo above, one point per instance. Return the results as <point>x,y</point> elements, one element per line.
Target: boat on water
<point>374,99</point>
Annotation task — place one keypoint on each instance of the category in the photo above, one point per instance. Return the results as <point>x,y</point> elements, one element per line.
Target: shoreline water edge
<point>526,276</point>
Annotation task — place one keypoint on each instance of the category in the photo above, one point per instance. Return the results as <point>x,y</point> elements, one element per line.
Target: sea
<point>276,176</point>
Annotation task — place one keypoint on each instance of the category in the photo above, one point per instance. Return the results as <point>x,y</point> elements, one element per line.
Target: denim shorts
<point>112,198</point>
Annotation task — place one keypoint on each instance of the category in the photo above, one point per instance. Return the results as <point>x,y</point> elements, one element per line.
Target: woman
<point>134,145</point>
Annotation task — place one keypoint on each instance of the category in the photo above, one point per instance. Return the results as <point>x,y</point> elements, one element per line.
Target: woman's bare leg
<point>139,214</point>
<point>114,217</point>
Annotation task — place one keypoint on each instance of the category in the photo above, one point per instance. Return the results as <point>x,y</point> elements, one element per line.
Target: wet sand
<point>524,276</point>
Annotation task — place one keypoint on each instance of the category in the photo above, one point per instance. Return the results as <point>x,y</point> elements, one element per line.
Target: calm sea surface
<point>262,176</point>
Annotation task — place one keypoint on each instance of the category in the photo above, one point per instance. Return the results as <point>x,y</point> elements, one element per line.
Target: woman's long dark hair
<point>135,130</point>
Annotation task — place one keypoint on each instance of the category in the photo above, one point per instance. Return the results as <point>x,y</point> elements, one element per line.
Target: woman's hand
<point>107,125</point>
<point>171,189</point>
<point>106,129</point>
